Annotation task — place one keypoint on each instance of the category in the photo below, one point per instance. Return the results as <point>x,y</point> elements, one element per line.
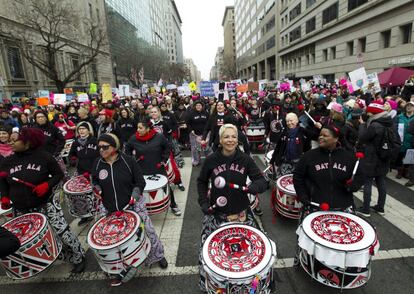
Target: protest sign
<point>59,99</point>
<point>358,78</point>
<point>106,93</point>
<point>206,88</point>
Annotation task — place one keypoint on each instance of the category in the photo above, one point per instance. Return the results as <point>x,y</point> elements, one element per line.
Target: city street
<point>392,268</point>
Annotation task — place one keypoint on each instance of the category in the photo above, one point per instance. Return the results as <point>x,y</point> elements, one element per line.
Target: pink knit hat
<point>336,107</point>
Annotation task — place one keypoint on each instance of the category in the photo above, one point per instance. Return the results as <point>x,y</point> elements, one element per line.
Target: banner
<point>93,88</point>
<point>83,97</point>
<point>106,93</point>
<point>206,89</point>
<point>184,91</point>
<point>358,78</point>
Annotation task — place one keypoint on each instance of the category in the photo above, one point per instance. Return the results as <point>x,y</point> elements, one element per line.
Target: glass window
<point>311,25</point>
<point>309,3</point>
<point>352,4</point>
<point>386,39</point>
<point>330,13</point>
<point>406,33</point>
<point>324,54</point>
<point>15,63</point>
<point>295,34</point>
<point>295,12</point>
<point>350,48</point>
<point>271,43</point>
<point>362,44</point>
<point>333,52</point>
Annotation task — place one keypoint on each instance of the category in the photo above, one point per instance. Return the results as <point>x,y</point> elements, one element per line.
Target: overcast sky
<point>202,30</point>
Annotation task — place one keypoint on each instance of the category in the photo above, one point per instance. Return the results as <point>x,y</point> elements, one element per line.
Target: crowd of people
<point>314,135</point>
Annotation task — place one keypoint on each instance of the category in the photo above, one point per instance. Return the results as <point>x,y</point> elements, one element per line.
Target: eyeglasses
<point>104,147</point>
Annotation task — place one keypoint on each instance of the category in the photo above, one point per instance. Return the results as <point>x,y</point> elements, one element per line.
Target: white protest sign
<point>358,78</point>
<point>373,79</point>
<point>59,99</point>
<point>124,90</point>
<point>83,97</point>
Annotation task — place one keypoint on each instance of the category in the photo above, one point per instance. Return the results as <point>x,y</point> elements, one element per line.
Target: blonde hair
<point>224,127</point>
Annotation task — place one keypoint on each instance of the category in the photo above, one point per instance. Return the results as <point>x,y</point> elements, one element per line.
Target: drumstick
<point>323,206</point>
<point>220,202</point>
<point>237,187</point>
<point>358,155</point>
<point>30,185</point>
<point>220,183</point>
<point>310,117</point>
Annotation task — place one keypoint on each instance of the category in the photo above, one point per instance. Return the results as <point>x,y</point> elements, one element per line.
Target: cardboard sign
<point>106,93</point>
<point>206,89</point>
<point>358,78</point>
<point>83,97</point>
<point>124,90</point>
<point>93,88</point>
<point>68,91</point>
<point>43,101</point>
<point>59,99</point>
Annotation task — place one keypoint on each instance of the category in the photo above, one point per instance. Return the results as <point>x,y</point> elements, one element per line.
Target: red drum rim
<point>77,179</point>
<point>37,221</point>
<point>281,184</point>
<point>128,223</point>
<point>319,227</point>
<point>255,251</point>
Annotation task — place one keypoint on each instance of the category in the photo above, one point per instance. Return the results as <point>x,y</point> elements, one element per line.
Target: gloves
<point>41,189</point>
<point>141,158</point>
<point>175,135</point>
<point>159,165</point>
<point>5,203</point>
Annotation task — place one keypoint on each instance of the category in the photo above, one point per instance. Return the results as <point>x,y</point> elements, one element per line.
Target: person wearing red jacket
<point>28,179</point>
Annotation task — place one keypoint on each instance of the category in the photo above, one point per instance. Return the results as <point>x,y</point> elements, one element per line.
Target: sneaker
<point>409,183</point>
<point>163,263</point>
<point>257,211</point>
<point>181,187</point>
<point>79,267</point>
<point>176,210</point>
<point>84,220</point>
<point>363,212</point>
<point>378,210</point>
<point>115,282</point>
<point>398,176</point>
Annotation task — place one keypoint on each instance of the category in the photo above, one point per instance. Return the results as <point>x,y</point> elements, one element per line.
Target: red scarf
<point>146,137</point>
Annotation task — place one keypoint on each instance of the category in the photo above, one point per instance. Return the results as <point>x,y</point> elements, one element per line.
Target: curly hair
<point>34,136</point>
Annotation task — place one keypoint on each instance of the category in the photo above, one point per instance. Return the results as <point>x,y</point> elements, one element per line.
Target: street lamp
<point>115,73</point>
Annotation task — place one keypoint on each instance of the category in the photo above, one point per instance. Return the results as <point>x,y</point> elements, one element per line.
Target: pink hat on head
<point>336,107</point>
<point>393,104</point>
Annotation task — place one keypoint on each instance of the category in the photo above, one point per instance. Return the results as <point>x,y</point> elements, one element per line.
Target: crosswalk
<point>169,227</point>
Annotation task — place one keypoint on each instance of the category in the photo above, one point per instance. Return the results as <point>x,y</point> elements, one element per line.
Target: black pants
<point>9,243</point>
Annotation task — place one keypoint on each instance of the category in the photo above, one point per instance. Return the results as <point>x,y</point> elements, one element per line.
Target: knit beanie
<point>111,139</point>
<point>86,125</point>
<point>375,108</point>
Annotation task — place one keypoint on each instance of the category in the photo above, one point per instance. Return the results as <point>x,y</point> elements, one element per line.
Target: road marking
<point>152,272</point>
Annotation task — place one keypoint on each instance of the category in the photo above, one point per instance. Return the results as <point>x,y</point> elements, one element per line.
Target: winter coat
<point>125,128</point>
<point>321,176</point>
<point>117,181</point>
<point>405,121</point>
<point>54,138</point>
<point>214,124</point>
<point>370,136</point>
<point>150,153</point>
<point>196,121</point>
<point>234,169</point>
<point>301,143</point>
<point>86,154</point>
<point>32,166</point>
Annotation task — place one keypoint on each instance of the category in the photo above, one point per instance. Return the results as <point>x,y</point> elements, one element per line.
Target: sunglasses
<point>104,147</point>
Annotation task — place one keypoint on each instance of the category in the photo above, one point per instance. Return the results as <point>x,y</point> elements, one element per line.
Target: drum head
<point>155,182</point>
<point>237,251</point>
<point>339,230</point>
<point>285,184</point>
<point>26,226</point>
<point>111,231</point>
<point>77,184</point>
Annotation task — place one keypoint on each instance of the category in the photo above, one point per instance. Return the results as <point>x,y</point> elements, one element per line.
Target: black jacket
<point>234,169</point>
<point>321,176</point>
<point>54,138</point>
<point>214,124</point>
<point>86,154</point>
<point>274,124</point>
<point>125,128</point>
<point>149,153</point>
<point>196,121</point>
<point>370,135</point>
<point>32,166</point>
<point>117,181</point>
<point>301,142</point>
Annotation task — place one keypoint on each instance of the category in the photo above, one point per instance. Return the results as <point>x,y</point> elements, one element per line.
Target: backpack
<point>389,144</point>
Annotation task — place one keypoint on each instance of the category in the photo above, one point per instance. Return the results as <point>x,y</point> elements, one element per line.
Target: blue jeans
<point>380,181</point>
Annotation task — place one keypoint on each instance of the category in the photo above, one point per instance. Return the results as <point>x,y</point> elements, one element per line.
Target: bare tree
<point>61,28</point>
<point>228,69</point>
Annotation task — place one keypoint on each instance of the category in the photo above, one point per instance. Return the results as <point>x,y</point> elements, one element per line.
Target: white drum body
<point>237,257</point>
<point>287,203</point>
<point>39,246</point>
<point>119,241</point>
<point>255,133</point>
<point>156,193</point>
<point>8,213</point>
<point>253,199</point>
<point>336,248</point>
<point>80,198</point>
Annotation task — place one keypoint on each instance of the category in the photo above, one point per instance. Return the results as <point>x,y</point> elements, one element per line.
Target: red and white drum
<point>80,197</point>
<point>119,241</point>
<point>268,173</point>
<point>287,203</point>
<point>255,133</point>
<point>336,248</point>
<point>173,173</point>
<point>237,257</point>
<point>254,199</point>
<point>156,193</point>
<point>8,213</point>
<point>39,246</point>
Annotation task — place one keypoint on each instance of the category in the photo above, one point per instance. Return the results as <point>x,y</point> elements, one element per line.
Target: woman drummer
<point>29,178</point>
<point>151,149</point>
<point>227,165</point>
<point>119,179</point>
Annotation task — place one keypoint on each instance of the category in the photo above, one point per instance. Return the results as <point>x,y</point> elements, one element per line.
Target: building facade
<point>173,33</point>
<point>216,72</point>
<point>20,78</point>
<point>256,28</point>
<point>229,48</point>
<point>158,10</point>
<point>335,37</point>
<point>301,38</point>
<point>193,73</point>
